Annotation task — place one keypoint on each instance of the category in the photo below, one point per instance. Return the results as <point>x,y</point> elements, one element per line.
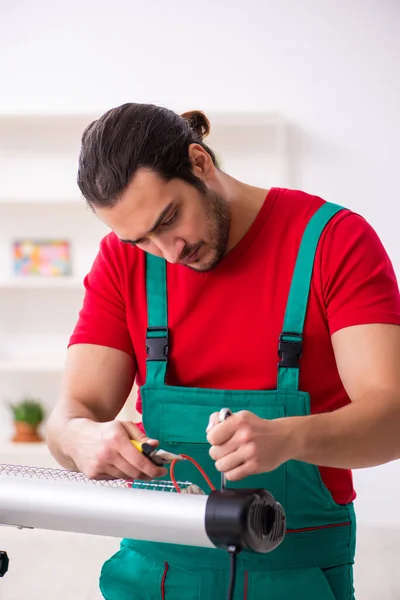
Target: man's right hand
<point>105,450</point>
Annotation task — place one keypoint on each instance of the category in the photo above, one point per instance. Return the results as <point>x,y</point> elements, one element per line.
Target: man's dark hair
<point>133,136</point>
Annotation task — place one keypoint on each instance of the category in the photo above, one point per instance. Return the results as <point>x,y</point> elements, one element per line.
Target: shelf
<point>59,135</point>
<point>28,455</point>
<point>51,120</point>
<point>41,283</point>
<point>6,201</point>
<point>29,366</point>
<point>21,448</point>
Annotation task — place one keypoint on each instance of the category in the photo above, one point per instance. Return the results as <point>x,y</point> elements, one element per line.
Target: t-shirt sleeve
<point>102,318</point>
<point>358,280</point>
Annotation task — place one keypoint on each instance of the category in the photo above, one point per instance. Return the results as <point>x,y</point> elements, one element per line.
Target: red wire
<point>196,464</point>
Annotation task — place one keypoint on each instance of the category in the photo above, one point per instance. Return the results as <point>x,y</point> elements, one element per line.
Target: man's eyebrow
<point>156,224</point>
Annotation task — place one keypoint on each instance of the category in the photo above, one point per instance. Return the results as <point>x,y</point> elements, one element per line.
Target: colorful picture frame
<point>42,258</point>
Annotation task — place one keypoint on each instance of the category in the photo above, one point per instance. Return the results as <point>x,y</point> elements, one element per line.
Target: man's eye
<point>170,220</point>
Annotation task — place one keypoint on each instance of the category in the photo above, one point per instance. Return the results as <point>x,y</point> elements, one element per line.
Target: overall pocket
<point>299,584</point>
<point>180,584</point>
<point>183,428</point>
<point>128,575</point>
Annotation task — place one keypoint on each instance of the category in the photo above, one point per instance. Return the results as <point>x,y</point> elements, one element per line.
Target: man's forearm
<point>363,434</point>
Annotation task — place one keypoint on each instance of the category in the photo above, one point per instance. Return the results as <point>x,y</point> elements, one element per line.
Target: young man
<point>272,302</point>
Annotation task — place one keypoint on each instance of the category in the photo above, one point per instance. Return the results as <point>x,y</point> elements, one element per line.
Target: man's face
<point>172,219</point>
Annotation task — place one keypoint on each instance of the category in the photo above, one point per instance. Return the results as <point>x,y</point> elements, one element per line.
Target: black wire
<point>232,572</point>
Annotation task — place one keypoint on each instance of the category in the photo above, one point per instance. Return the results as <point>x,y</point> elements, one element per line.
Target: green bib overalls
<point>314,562</point>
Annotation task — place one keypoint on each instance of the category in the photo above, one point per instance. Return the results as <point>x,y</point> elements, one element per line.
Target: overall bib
<point>314,561</point>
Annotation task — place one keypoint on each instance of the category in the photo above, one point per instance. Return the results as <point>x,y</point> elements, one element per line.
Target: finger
<point>133,456</point>
<point>217,452</point>
<point>222,432</point>
<point>213,420</point>
<point>135,433</point>
<point>240,472</point>
<point>109,474</point>
<point>231,461</point>
<point>139,461</point>
<point>129,471</point>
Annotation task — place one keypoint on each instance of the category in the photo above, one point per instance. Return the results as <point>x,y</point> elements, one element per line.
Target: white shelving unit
<point>26,366</point>
<point>28,455</point>
<point>39,198</point>
<point>35,283</point>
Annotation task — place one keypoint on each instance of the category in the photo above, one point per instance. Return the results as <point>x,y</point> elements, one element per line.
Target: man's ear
<point>202,164</point>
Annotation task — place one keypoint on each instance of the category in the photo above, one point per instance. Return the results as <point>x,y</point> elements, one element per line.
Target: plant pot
<point>26,433</point>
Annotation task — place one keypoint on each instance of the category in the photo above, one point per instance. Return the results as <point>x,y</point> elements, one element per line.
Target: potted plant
<point>28,414</point>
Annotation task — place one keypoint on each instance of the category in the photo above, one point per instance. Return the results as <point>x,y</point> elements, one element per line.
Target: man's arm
<point>363,434</point>
<point>82,433</point>
<point>361,296</point>
<point>367,432</point>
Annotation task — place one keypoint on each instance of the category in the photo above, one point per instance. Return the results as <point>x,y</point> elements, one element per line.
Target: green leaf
<point>28,411</point>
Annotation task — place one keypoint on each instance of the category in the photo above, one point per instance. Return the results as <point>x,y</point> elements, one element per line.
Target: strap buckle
<point>157,345</point>
<point>290,350</point>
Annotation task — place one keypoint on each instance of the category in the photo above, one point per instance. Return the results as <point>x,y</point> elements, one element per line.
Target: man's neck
<point>245,202</point>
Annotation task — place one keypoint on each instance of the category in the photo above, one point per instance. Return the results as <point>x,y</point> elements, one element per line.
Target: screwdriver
<point>158,456</point>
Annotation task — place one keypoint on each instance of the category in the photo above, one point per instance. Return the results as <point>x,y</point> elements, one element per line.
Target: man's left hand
<point>245,444</point>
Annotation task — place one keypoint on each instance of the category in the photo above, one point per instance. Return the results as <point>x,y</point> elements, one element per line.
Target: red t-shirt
<point>225,323</point>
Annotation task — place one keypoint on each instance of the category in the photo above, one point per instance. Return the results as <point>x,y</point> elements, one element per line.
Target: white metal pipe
<point>116,512</point>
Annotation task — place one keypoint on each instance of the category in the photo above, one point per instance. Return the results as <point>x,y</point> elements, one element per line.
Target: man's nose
<point>172,251</point>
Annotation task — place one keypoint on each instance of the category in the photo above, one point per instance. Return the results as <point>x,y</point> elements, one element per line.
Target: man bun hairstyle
<point>134,136</point>
<point>198,123</point>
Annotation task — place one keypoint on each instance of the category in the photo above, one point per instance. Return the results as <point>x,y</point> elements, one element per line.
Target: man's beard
<point>218,220</point>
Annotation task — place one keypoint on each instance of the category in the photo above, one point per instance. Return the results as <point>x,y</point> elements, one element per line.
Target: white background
<point>330,67</point>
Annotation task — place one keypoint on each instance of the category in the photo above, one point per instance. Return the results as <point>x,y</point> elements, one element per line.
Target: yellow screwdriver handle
<point>138,445</point>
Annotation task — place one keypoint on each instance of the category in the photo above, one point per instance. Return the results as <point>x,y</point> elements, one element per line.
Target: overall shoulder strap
<point>291,338</point>
<point>157,320</point>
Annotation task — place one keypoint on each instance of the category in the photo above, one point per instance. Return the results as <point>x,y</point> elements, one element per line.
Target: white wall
<point>331,67</point>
